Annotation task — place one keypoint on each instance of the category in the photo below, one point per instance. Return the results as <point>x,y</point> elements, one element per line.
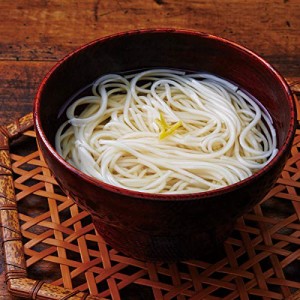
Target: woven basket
<point>52,251</point>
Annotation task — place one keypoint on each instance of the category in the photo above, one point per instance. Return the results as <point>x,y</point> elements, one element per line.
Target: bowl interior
<point>170,49</point>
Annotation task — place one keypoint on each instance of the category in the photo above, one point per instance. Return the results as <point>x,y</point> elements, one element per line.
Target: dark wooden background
<point>34,34</point>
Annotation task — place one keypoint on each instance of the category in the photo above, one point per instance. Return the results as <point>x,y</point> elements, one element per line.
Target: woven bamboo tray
<point>53,252</point>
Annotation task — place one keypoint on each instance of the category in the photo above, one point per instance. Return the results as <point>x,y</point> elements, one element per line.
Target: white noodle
<point>223,135</point>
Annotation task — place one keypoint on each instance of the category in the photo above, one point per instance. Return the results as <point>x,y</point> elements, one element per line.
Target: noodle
<point>164,131</point>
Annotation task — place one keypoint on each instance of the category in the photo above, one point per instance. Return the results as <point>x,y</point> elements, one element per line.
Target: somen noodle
<point>165,131</point>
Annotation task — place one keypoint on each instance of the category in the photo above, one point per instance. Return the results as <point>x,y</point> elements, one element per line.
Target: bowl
<point>162,227</point>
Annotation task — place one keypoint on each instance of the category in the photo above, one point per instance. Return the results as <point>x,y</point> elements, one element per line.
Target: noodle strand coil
<point>164,131</point>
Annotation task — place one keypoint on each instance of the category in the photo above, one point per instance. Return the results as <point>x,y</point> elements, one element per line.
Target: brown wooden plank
<point>18,84</point>
<point>47,30</point>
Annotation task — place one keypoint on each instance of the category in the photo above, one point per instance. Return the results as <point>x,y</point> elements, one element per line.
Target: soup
<point>167,131</point>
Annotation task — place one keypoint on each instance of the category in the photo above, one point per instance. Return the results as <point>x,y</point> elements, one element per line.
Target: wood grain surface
<point>35,34</point>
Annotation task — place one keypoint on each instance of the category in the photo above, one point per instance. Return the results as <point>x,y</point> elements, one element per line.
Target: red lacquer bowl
<point>158,227</point>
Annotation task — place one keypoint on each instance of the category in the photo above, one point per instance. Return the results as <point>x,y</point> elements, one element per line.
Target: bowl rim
<point>158,196</point>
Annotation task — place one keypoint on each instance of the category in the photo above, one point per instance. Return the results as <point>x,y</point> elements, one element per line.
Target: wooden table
<point>35,34</point>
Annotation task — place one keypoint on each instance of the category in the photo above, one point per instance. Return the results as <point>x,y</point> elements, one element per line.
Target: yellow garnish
<point>165,128</point>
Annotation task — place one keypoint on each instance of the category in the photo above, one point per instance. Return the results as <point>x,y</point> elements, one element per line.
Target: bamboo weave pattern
<point>261,259</point>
